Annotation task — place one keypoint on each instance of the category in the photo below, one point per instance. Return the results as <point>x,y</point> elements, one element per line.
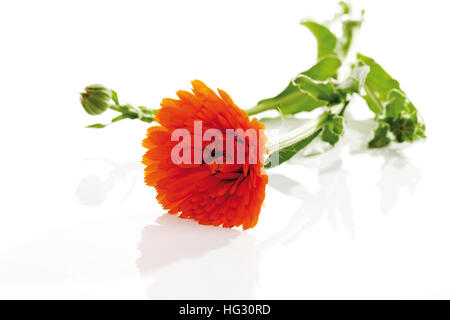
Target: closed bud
<point>96,99</point>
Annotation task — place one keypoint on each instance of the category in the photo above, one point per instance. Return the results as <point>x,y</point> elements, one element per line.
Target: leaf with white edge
<point>291,101</point>
<point>380,82</point>
<point>378,85</point>
<point>294,98</point>
<point>326,40</point>
<point>324,69</point>
<point>321,90</point>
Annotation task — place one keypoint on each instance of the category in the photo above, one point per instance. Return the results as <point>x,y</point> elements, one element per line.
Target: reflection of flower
<point>221,263</point>
<point>211,193</point>
<point>170,241</point>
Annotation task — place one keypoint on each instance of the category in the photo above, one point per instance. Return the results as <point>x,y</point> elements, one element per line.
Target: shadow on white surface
<point>397,172</point>
<point>92,189</point>
<point>182,259</point>
<point>332,201</point>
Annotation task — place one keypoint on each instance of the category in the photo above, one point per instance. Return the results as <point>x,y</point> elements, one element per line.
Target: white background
<point>77,221</point>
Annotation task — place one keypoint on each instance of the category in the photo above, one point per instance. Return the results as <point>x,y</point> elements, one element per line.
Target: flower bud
<point>96,99</point>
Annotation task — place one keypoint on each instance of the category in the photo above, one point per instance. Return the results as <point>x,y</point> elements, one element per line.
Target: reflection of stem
<point>92,190</point>
<point>333,200</point>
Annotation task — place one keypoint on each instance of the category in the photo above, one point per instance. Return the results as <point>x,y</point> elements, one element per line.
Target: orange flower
<point>212,193</point>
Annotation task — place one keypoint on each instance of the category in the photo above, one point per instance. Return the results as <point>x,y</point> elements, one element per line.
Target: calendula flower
<point>218,191</point>
<point>217,177</point>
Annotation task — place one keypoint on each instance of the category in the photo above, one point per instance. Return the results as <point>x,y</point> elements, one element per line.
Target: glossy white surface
<point>77,221</point>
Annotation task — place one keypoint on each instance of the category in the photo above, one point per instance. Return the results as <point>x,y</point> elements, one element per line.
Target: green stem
<point>129,112</point>
<point>115,108</point>
<point>287,146</point>
<point>341,113</point>
<point>258,109</point>
<point>295,135</point>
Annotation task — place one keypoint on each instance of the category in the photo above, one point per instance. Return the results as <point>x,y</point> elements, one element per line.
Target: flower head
<point>96,99</point>
<point>221,191</point>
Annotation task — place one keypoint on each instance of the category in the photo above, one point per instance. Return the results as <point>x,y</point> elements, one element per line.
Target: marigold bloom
<point>225,194</point>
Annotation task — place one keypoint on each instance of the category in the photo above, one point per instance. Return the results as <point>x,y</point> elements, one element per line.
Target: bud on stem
<point>97,99</point>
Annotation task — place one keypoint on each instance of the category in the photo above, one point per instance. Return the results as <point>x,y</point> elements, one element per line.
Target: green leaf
<point>295,98</point>
<point>321,90</point>
<point>121,117</point>
<point>333,127</point>
<point>330,137</point>
<point>345,7</point>
<point>378,85</point>
<point>403,129</point>
<point>396,113</point>
<point>114,97</point>
<point>420,131</point>
<point>326,40</point>
<point>291,100</point>
<point>378,80</point>
<point>324,69</point>
<point>97,126</point>
<point>380,138</point>
<point>397,104</point>
<point>349,28</point>
<point>374,103</point>
<point>280,156</point>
